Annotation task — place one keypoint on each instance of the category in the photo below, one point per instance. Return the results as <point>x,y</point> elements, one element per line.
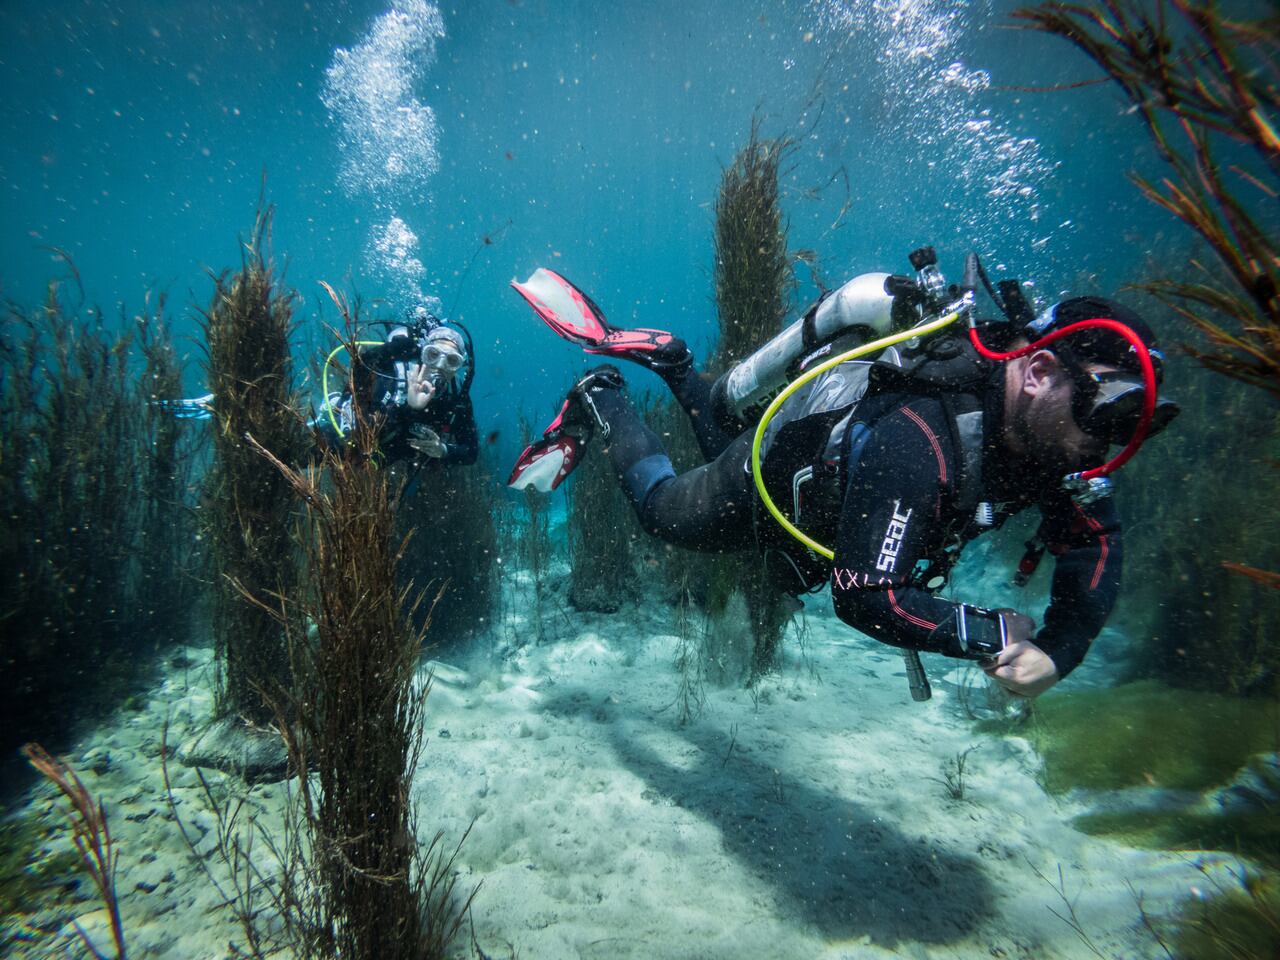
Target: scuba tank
<point>869,306</point>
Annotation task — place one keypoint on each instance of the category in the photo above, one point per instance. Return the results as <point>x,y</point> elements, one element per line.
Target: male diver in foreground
<point>897,461</point>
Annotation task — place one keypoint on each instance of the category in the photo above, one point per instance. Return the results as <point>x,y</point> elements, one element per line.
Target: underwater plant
<point>249,514</point>
<point>1239,922</point>
<point>1198,76</point>
<point>172,556</point>
<point>1202,625</point>
<point>1146,735</point>
<point>357,707</point>
<point>754,274</point>
<point>454,545</point>
<point>88,573</point>
<point>755,278</point>
<point>92,838</point>
<point>602,533</point>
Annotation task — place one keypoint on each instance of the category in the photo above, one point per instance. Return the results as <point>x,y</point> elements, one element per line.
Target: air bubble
<point>387,137</point>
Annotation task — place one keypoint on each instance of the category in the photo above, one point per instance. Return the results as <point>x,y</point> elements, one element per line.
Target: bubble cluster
<point>393,248</point>
<point>388,138</point>
<point>934,101</point>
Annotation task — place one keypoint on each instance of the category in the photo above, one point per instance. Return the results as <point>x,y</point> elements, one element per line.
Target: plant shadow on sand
<point>835,865</point>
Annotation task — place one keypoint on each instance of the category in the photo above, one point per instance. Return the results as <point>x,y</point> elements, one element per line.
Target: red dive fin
<point>545,463</point>
<point>564,308</point>
<point>575,317</point>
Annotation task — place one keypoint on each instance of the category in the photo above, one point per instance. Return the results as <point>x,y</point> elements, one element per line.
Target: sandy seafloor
<point>604,828</point>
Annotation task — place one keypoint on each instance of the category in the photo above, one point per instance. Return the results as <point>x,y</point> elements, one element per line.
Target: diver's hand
<point>427,441</point>
<point>421,389</point>
<point>1022,668</point>
<point>1017,626</point>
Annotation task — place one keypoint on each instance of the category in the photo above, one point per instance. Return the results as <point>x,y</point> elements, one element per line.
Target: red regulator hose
<point>1144,360</point>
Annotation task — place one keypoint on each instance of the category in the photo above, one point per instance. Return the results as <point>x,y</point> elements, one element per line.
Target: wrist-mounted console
<point>980,633</point>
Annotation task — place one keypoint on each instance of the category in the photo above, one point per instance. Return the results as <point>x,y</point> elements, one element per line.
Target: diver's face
<point>442,361</point>
<point>1040,425</point>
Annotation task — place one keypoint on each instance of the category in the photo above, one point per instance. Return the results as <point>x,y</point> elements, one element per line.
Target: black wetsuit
<point>449,413</point>
<point>896,517</point>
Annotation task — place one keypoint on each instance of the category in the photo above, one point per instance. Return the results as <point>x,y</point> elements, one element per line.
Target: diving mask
<point>1108,405</point>
<point>443,353</point>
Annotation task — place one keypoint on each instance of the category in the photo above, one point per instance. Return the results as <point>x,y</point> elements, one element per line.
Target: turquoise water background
<point>583,136</point>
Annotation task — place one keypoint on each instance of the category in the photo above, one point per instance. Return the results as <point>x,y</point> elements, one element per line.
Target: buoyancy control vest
<point>816,439</point>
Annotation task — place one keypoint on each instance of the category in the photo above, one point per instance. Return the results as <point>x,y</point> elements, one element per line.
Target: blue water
<point>588,137</point>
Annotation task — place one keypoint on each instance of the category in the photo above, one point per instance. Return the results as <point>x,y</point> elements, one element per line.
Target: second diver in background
<point>419,381</point>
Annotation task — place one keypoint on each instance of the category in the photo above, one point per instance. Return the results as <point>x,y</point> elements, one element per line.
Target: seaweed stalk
<point>357,709</point>
<point>250,373</point>
<point>91,836</point>
<point>1193,75</point>
<point>754,282</point>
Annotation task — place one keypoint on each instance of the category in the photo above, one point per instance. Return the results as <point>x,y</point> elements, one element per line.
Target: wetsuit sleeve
<point>463,445</point>
<point>1088,548</point>
<point>893,507</point>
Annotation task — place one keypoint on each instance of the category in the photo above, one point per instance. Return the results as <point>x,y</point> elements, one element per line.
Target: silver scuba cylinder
<point>861,310</point>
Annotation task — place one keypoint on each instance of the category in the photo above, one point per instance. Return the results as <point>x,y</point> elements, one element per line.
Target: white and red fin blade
<point>563,307</point>
<point>545,463</point>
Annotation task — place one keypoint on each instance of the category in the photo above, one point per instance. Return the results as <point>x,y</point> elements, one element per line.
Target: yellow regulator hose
<point>324,378</point>
<point>922,330</point>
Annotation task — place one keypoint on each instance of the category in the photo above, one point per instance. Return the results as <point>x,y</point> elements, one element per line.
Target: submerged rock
<point>1255,789</point>
<point>256,754</point>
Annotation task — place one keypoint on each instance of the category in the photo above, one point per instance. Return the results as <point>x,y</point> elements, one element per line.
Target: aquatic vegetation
<point>753,272</point>
<point>452,544</point>
<point>249,514</point>
<point>29,871</point>
<point>602,532</point>
<point>172,557</point>
<point>1148,734</point>
<point>358,714</point>
<point>92,838</point>
<point>93,565</point>
<point>1204,84</point>
<point>953,774</point>
<point>1145,735</point>
<point>1213,78</point>
<point>1201,625</point>
<point>1231,923</point>
<point>754,282</point>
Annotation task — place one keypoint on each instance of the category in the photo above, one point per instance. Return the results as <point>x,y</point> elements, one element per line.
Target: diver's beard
<point>1043,463</point>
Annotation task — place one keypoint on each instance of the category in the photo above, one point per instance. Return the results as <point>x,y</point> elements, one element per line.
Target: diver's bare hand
<point>1017,626</point>
<point>1022,668</point>
<point>427,441</point>
<point>421,389</point>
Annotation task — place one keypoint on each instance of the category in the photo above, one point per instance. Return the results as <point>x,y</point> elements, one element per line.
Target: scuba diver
<point>897,461</point>
<point>419,379</point>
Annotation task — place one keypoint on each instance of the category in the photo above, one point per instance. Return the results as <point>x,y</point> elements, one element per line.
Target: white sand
<point>605,829</point>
